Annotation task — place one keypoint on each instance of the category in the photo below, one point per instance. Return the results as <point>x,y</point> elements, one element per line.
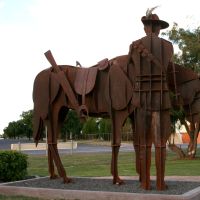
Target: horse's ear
<point>118,90</point>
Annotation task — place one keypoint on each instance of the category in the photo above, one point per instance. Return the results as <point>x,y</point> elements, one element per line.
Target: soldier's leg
<point>143,124</point>
<point>162,130</point>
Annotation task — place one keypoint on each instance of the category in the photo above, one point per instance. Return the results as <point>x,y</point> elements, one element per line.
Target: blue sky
<point>84,30</point>
<point>15,11</point>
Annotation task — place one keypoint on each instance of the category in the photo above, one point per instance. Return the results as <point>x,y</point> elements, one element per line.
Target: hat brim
<point>162,23</point>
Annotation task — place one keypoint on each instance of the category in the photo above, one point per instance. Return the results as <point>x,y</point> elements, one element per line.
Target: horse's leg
<point>60,168</point>
<point>54,127</point>
<point>191,135</point>
<point>54,157</point>
<point>51,165</point>
<point>118,118</point>
<point>196,134</point>
<point>136,144</point>
<point>38,128</point>
<point>193,147</point>
<point>50,155</point>
<point>58,119</point>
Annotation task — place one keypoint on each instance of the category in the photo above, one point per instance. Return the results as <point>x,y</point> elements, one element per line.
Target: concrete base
<point>95,195</point>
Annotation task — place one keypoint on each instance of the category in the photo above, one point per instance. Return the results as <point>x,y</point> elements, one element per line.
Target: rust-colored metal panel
<point>54,87</point>
<point>85,80</point>
<point>41,92</point>
<point>70,87</point>
<point>119,89</point>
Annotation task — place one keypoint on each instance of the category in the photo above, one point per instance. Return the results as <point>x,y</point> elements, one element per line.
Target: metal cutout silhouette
<point>141,94</point>
<point>188,88</point>
<point>150,57</point>
<point>93,91</point>
<point>59,107</point>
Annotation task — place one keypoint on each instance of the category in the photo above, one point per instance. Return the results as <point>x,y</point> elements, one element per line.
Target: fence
<point>126,136</point>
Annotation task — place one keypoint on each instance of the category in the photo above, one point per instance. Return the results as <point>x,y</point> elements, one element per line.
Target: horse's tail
<point>38,127</point>
<point>45,90</point>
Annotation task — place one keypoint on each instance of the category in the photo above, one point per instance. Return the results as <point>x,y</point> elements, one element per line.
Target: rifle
<point>62,79</point>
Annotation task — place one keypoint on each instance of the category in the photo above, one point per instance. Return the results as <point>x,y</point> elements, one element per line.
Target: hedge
<point>13,165</point>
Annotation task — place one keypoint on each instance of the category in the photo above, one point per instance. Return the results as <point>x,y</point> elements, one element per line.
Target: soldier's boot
<point>145,163</point>
<point>160,167</point>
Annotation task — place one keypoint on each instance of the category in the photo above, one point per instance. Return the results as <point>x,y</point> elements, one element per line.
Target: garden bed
<point>102,188</point>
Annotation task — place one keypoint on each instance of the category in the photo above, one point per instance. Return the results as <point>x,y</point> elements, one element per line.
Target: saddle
<point>86,78</point>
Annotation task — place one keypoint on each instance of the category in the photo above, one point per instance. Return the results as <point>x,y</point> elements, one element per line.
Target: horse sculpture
<point>103,90</point>
<point>188,88</point>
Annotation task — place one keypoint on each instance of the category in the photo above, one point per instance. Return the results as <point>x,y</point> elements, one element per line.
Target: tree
<point>20,128</point>
<point>127,130</point>
<point>27,118</point>
<point>90,126</point>
<point>104,128</point>
<point>14,129</point>
<point>71,125</point>
<point>188,42</point>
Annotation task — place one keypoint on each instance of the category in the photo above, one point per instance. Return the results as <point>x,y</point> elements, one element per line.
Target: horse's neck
<point>184,75</point>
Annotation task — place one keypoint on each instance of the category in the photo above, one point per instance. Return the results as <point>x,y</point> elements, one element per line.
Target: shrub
<point>13,165</point>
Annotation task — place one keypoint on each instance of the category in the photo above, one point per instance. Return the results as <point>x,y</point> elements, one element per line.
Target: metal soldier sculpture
<point>150,57</point>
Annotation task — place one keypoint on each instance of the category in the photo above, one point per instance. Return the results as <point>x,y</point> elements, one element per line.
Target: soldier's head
<point>152,24</point>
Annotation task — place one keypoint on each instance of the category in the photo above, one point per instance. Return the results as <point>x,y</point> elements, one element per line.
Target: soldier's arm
<point>130,54</point>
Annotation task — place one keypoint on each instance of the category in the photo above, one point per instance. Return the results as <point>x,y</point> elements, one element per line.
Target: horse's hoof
<point>191,154</point>
<point>163,187</point>
<point>191,157</point>
<point>118,181</point>
<point>67,180</point>
<point>54,176</point>
<point>145,187</point>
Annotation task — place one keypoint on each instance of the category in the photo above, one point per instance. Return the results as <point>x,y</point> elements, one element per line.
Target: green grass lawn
<point>98,164</point>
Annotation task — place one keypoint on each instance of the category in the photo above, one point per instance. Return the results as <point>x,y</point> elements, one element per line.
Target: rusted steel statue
<point>141,94</point>
<point>94,91</point>
<point>150,57</point>
<point>188,88</point>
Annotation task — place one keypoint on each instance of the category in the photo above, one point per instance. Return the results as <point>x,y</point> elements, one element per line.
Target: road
<point>81,148</point>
